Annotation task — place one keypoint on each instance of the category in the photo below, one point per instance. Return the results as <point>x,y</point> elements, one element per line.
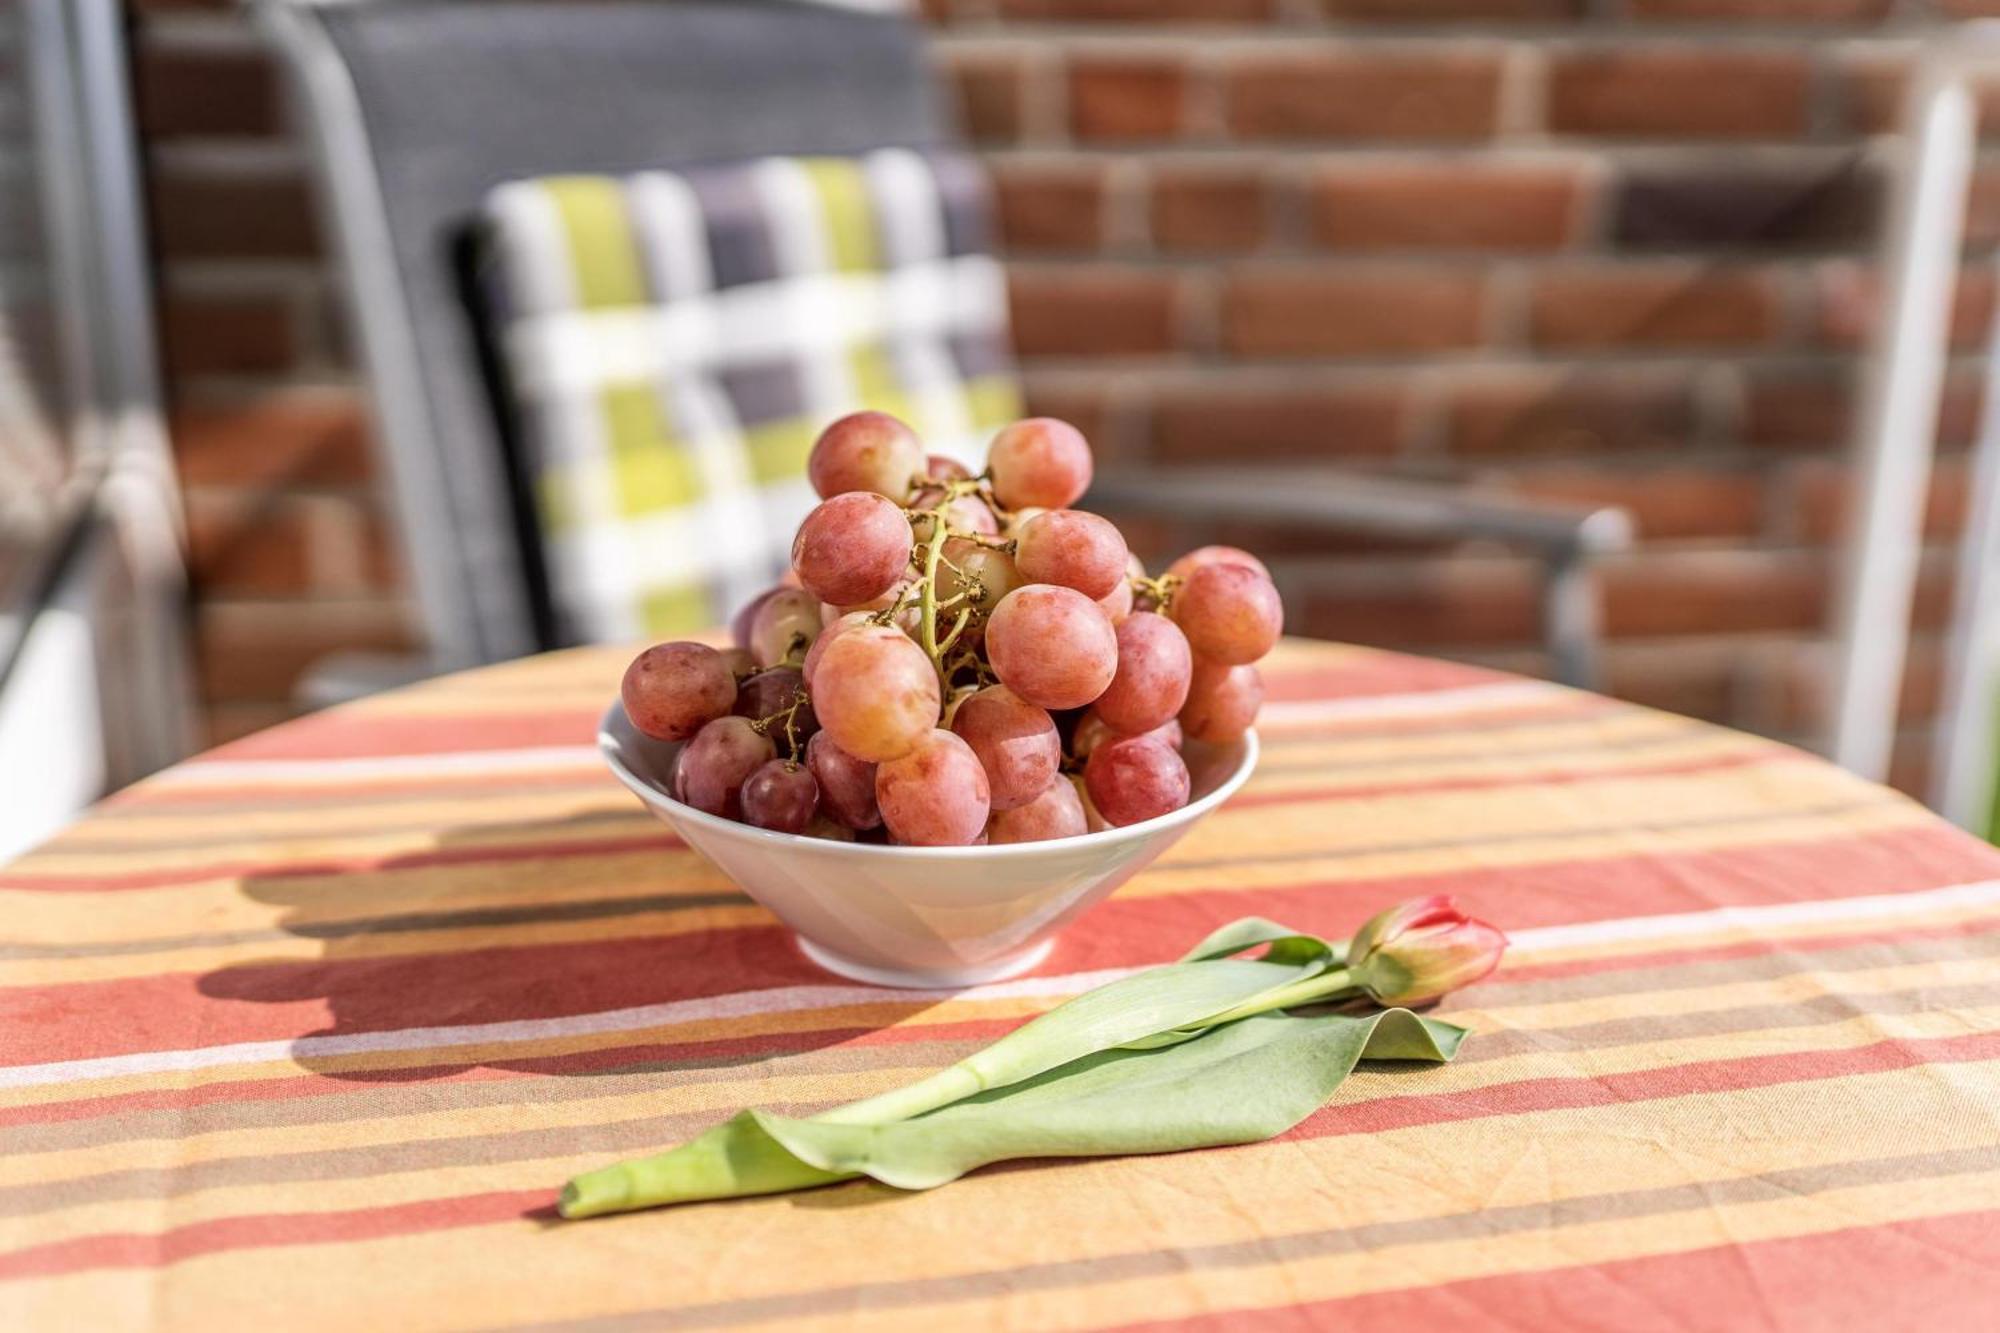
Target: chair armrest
<point>1338,501</point>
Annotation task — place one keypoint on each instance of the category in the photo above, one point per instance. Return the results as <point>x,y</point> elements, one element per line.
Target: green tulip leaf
<point>1186,1055</point>
<point>1129,1010</point>
<point>1242,1083</point>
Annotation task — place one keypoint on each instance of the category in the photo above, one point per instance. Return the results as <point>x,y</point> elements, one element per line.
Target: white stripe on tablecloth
<point>791,999</point>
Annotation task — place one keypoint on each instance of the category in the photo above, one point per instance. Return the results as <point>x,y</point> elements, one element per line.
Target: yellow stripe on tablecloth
<point>721,1096</point>
<point>1099,1211</point>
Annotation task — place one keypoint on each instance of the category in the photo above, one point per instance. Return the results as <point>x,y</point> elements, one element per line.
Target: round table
<point>306,1032</point>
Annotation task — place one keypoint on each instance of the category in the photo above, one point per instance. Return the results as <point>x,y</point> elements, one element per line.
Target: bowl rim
<point>607,744</point>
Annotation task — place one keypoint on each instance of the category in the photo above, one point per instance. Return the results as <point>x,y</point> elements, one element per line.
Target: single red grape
<point>853,547</point>
<point>846,784</point>
<point>935,795</point>
<point>1216,555</point>
<point>1039,461</point>
<point>875,692</point>
<point>784,627</point>
<point>1222,701</point>
<point>1075,549</point>
<point>780,795</point>
<point>1136,778</point>
<point>865,451</point>
<point>672,689</point>
<point>1052,646</point>
<point>1014,741</point>
<point>718,761</point>
<point>1154,664</point>
<point>1056,813</point>
<point>1230,613</point>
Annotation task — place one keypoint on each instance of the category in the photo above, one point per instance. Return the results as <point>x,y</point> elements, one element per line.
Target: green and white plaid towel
<point>675,341</point>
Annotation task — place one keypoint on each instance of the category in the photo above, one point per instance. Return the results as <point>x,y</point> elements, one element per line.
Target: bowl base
<point>1013,965</point>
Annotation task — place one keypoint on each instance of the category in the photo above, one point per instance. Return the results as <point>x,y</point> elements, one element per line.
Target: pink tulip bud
<point>1419,950</point>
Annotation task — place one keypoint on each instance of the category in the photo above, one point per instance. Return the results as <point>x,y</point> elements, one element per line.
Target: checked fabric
<point>674,341</point>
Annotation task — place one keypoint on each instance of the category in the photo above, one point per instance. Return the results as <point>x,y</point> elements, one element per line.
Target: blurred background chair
<point>418,111</point>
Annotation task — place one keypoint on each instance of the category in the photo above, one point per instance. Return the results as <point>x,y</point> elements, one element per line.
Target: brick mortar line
<point>1879,151</point>
<point>1589,33</point>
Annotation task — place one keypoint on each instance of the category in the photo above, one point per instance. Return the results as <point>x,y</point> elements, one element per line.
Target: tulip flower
<point>1419,950</point>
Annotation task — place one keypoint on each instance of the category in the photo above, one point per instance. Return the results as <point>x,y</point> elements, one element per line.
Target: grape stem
<point>790,718</point>
<point>928,605</point>
<point>1160,589</point>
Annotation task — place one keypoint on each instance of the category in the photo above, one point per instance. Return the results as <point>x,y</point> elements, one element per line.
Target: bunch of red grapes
<point>957,659</point>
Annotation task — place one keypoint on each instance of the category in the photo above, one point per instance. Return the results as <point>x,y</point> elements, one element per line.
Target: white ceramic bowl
<point>931,917</point>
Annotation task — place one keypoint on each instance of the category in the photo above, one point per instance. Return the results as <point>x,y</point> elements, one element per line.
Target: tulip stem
<point>1334,984</point>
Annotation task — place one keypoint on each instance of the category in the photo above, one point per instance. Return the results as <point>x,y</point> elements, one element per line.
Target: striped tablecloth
<point>306,1033</point>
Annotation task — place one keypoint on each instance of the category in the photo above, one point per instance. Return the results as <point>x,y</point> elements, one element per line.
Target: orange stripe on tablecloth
<point>1525,1097</point>
<point>394,992</point>
<point>1932,1272</point>
<point>356,733</point>
<point>164,797</point>
<point>154,1250</point>
<point>1370,673</point>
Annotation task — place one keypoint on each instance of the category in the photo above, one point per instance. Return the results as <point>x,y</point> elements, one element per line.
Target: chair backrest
<point>418,108</point>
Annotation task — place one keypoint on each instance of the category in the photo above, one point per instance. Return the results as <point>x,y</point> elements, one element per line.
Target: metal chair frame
<point>1892,451</point>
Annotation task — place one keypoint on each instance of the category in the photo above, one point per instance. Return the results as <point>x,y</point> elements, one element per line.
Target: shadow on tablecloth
<point>595,966</point>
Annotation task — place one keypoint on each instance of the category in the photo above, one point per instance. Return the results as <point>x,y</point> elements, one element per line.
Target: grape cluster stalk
<point>958,658</point>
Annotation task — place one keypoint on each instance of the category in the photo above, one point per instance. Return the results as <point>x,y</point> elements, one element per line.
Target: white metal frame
<point>123,492</point>
<point>1893,445</point>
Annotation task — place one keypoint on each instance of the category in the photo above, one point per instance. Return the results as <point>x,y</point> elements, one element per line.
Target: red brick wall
<point>1609,250</point>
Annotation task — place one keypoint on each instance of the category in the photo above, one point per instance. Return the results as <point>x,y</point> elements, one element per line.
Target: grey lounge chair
<point>417,108</point>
